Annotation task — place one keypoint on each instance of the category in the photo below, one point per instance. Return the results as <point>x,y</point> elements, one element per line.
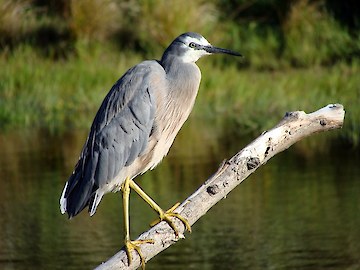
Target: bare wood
<point>292,128</point>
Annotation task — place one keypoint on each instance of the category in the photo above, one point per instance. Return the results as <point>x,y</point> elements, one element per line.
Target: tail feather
<point>63,201</point>
<point>80,191</point>
<point>95,202</point>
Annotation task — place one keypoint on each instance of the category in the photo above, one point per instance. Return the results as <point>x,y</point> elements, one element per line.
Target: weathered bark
<point>292,128</point>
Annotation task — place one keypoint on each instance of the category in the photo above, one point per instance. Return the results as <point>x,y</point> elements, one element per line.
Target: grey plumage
<point>137,122</point>
<point>118,135</point>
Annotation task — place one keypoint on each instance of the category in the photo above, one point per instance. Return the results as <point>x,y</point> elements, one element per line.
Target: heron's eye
<point>192,45</point>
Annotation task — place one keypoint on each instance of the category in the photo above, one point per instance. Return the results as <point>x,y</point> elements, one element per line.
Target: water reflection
<point>294,213</point>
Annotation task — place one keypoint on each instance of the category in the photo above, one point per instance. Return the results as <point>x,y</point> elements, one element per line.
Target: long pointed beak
<point>212,49</point>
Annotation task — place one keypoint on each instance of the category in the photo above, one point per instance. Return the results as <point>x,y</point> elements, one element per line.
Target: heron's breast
<point>173,110</point>
<point>175,99</point>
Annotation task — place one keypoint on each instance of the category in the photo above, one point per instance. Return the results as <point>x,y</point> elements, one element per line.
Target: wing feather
<point>119,134</point>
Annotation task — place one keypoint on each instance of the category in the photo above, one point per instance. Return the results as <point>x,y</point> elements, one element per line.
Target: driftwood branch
<point>292,128</point>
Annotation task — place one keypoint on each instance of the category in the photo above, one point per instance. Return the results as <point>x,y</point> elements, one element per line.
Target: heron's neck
<point>183,80</point>
<point>175,68</point>
<point>168,62</point>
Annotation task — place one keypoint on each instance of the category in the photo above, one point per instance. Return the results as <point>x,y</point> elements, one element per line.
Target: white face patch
<point>192,54</point>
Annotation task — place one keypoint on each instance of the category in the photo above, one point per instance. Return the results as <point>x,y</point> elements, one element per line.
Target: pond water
<point>299,211</point>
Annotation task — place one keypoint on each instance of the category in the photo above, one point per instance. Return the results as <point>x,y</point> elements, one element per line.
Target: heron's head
<point>189,47</point>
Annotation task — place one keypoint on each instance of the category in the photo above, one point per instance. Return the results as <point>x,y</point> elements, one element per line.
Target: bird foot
<point>166,216</point>
<point>135,245</point>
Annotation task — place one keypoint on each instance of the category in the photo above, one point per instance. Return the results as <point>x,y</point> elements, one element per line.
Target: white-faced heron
<point>134,128</point>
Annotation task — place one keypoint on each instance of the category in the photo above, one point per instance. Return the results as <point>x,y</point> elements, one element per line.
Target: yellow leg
<point>131,245</point>
<point>163,216</point>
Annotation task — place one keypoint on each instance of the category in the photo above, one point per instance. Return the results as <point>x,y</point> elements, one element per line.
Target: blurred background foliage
<point>59,57</point>
<point>299,32</point>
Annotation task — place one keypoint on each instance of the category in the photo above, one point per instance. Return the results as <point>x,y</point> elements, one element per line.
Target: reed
<point>36,92</point>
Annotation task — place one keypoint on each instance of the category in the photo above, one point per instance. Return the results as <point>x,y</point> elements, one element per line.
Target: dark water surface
<point>293,213</point>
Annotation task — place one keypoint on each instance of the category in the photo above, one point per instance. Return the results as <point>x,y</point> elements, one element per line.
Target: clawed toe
<point>135,245</point>
<point>166,216</point>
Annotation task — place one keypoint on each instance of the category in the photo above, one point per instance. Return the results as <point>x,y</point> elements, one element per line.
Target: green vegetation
<point>59,59</point>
